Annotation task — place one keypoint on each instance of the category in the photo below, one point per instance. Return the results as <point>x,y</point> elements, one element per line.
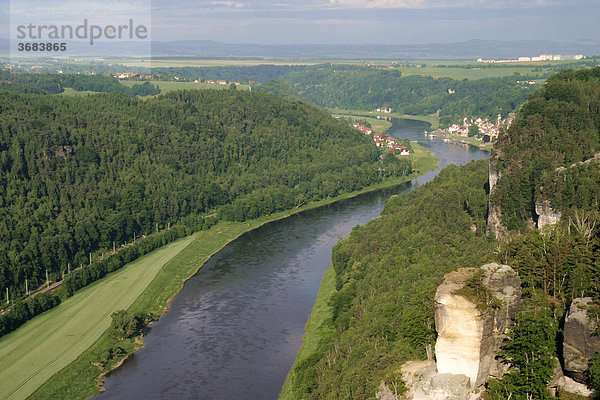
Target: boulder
<point>580,343</point>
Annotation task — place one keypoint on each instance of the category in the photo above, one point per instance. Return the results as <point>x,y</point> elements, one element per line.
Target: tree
<point>126,325</point>
<point>530,351</point>
<point>473,130</point>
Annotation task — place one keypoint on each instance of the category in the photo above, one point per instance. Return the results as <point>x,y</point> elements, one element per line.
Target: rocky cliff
<point>494,222</point>
<point>580,342</point>
<point>546,215</point>
<point>470,333</point>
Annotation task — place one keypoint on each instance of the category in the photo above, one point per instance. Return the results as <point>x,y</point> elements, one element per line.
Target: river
<point>234,329</point>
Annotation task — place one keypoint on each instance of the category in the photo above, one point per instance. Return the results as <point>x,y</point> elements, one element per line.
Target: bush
<point>126,325</point>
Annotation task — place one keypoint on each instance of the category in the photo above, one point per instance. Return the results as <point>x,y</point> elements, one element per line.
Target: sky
<point>331,21</point>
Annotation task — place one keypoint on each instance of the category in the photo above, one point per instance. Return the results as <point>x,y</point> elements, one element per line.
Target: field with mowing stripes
<point>69,329</point>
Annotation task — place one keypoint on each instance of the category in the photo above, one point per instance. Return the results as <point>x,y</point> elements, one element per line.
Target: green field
<point>432,119</point>
<point>378,125</point>
<point>73,92</point>
<point>472,72</point>
<point>51,341</point>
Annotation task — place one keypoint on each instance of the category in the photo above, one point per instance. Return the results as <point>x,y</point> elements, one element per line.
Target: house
<point>210,81</point>
<point>221,82</point>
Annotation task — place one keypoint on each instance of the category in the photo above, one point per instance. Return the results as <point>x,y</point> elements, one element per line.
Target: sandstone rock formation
<point>425,383</point>
<point>546,214</point>
<point>494,222</point>
<point>561,384</point>
<point>579,342</point>
<point>469,335</point>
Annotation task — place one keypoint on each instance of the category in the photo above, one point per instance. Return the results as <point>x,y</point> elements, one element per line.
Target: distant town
<point>541,57</point>
<point>384,141</point>
<point>487,131</point>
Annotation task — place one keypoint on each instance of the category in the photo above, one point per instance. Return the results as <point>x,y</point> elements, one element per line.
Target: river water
<point>234,330</point>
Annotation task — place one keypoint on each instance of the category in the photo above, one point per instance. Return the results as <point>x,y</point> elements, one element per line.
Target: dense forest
<point>368,88</point>
<point>557,127</point>
<point>259,73</point>
<point>79,174</point>
<point>56,83</point>
<point>387,271</point>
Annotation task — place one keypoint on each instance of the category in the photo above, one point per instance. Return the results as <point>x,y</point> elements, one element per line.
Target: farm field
<point>69,329</point>
<point>195,62</point>
<point>472,71</point>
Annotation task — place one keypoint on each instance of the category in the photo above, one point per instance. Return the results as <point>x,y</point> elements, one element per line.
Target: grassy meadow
<point>48,343</point>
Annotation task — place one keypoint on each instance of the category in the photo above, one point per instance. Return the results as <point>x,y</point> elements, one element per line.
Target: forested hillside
<point>368,88</point>
<point>78,174</point>
<point>387,271</point>
<point>386,275</point>
<point>56,83</point>
<point>557,127</point>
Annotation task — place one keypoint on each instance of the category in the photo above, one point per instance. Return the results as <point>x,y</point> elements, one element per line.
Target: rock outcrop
<point>546,215</point>
<point>580,343</point>
<point>561,384</point>
<point>425,383</point>
<point>469,335</point>
<point>494,222</point>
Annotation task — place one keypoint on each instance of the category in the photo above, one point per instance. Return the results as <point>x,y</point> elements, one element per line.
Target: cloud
<point>424,4</point>
<point>227,4</point>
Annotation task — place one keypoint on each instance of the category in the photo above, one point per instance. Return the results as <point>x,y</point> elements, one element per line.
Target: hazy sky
<point>343,21</point>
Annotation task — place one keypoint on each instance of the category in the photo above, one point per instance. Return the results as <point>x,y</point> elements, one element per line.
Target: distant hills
<point>468,50</point>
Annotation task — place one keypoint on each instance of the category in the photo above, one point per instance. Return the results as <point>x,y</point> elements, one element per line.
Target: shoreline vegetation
<point>82,378</point>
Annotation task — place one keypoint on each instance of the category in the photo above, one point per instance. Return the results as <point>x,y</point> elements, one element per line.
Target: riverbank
<point>471,141</point>
<point>80,378</point>
<point>315,331</point>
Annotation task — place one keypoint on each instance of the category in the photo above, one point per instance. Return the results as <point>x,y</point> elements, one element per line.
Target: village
<point>130,75</point>
<point>487,131</point>
<point>384,141</point>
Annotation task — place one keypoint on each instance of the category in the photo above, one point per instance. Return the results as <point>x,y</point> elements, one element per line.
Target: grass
<point>422,160</point>
<point>473,72</point>
<point>77,375</point>
<point>378,125</point>
<point>73,92</point>
<point>432,119</point>
<point>315,330</point>
<point>48,343</point>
